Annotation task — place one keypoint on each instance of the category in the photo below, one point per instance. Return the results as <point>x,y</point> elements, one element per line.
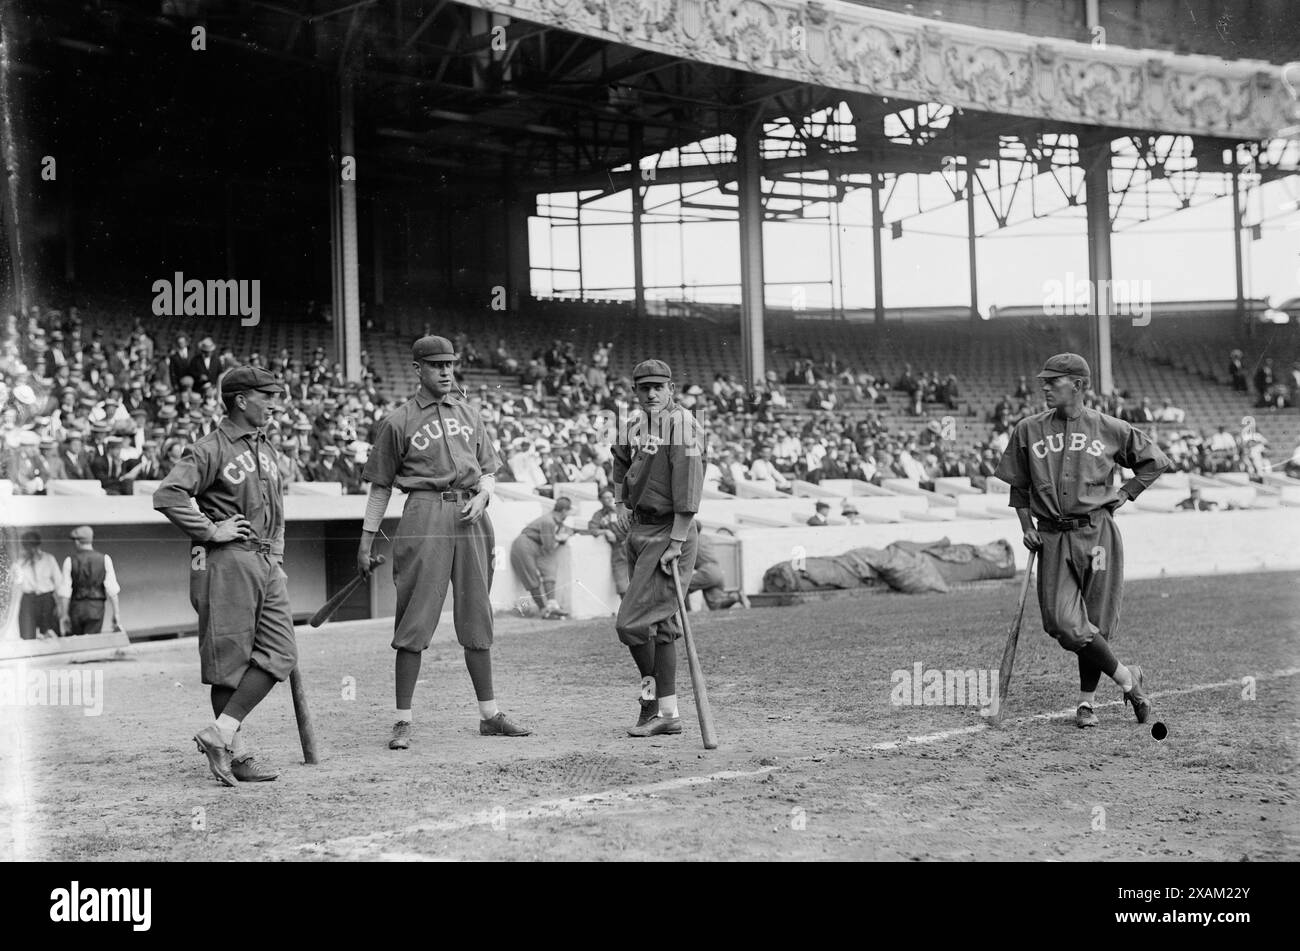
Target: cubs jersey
<point>230,471</point>
<point>431,445</point>
<point>1064,468</point>
<point>661,463</point>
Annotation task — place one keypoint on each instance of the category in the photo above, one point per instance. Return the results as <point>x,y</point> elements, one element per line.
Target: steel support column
<point>1096,158</point>
<point>750,187</point>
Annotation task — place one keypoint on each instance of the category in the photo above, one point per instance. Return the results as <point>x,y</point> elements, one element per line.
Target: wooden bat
<point>697,674</point>
<point>1009,652</point>
<point>329,607</point>
<point>306,731</point>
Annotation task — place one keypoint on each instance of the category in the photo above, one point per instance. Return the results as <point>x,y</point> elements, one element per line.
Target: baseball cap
<point>82,533</point>
<point>242,379</point>
<point>1064,364</point>
<point>434,348</point>
<point>652,371</point>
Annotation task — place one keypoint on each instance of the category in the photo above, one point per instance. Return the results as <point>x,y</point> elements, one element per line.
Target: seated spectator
<point>850,514</point>
<point>1168,413</point>
<point>763,470</point>
<point>1223,451</point>
<point>822,516</point>
<point>1236,371</point>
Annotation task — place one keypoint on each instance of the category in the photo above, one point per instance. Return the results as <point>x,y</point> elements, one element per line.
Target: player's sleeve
<point>621,459</point>
<point>686,465</point>
<point>174,497</point>
<point>111,587</point>
<point>1013,468</point>
<point>546,527</point>
<point>65,580</point>
<point>385,454</point>
<point>1140,453</point>
<point>489,460</point>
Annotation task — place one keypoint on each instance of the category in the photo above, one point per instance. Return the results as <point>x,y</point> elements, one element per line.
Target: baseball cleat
<point>211,745</point>
<point>401,736</point>
<point>657,726</point>
<point>500,726</point>
<point>247,770</point>
<point>649,710</point>
<point>1141,705</point>
<point>1084,716</point>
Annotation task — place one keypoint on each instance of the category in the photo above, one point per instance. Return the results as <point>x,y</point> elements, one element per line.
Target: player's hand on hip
<point>473,509</point>
<point>235,528</point>
<point>668,560</point>
<point>1033,541</point>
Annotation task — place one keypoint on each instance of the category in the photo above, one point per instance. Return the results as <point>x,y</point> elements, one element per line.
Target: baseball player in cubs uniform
<point>658,478</point>
<point>237,584</point>
<point>605,523</point>
<point>532,555</point>
<point>1060,465</point>
<point>434,449</point>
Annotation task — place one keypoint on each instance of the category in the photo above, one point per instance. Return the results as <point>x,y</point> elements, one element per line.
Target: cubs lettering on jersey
<point>421,438</point>
<point>1056,443</point>
<point>1063,468</point>
<point>239,468</point>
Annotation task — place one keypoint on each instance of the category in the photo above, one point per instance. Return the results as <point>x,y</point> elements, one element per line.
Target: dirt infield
<point>815,759</point>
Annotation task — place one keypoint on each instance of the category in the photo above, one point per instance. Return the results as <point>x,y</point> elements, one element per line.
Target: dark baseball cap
<point>652,371</point>
<point>437,349</point>
<point>1065,364</point>
<point>242,379</point>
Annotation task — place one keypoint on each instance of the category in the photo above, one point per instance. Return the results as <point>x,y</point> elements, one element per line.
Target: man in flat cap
<point>87,585</point>
<point>237,582</point>
<point>434,448</point>
<point>1062,466</point>
<point>658,479</point>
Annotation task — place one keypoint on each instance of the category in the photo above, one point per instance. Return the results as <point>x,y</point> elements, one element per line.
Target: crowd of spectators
<point>79,404</point>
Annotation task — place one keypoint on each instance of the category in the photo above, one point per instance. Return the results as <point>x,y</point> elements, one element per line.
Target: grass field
<point>815,761</point>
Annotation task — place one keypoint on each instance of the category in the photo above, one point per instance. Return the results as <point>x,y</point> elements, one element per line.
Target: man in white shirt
<point>763,470</point>
<point>1168,413</point>
<point>87,584</point>
<point>36,579</point>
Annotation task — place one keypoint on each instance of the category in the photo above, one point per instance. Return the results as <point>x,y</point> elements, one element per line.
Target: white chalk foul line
<point>370,845</point>
<point>500,818</point>
<point>1064,714</point>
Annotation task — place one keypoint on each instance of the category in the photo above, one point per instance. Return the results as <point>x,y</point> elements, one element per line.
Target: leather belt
<point>259,545</point>
<point>642,517</point>
<point>1064,524</point>
<point>450,495</point>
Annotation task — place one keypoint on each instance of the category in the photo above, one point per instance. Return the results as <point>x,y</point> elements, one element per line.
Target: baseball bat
<point>302,713</point>
<point>329,607</point>
<point>1009,652</point>
<point>697,673</point>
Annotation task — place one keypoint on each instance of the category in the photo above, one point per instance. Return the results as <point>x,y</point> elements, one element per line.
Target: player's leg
<point>421,575</point>
<point>227,594</point>
<point>274,656</point>
<point>1061,566</point>
<point>523,559</point>
<point>665,629</point>
<point>471,579</point>
<point>1104,594</point>
<point>635,635</point>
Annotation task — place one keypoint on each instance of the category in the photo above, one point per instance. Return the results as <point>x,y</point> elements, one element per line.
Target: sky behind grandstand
<point>1187,255</point>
